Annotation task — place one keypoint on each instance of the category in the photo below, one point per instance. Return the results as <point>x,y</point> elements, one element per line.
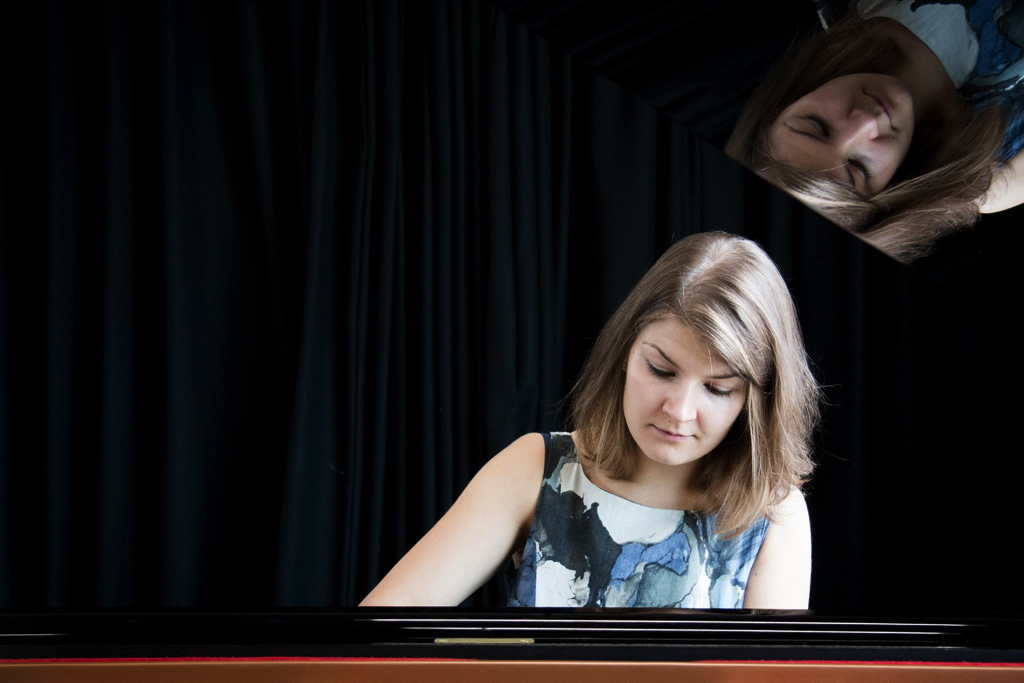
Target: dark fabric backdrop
<point>277,278</point>
<point>695,61</point>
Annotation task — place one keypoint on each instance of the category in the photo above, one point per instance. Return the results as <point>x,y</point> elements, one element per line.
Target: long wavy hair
<point>936,189</point>
<point>727,291</point>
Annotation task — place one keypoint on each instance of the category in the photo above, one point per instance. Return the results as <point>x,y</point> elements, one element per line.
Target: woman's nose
<point>681,403</point>
<point>858,125</point>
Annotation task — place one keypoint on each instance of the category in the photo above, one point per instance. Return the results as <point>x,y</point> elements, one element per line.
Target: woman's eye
<point>658,372</point>
<point>818,126</point>
<point>717,391</point>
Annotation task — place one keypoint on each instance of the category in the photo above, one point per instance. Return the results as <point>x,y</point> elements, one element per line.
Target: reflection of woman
<point>680,485</point>
<point>884,122</point>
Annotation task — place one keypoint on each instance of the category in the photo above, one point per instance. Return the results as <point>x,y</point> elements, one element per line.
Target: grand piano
<point>399,644</point>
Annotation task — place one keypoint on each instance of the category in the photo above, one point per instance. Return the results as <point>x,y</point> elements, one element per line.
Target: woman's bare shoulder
<point>520,465</point>
<point>781,575</point>
<point>528,445</point>
<point>793,503</point>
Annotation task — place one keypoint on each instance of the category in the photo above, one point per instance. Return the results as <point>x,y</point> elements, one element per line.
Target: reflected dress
<point>980,45</point>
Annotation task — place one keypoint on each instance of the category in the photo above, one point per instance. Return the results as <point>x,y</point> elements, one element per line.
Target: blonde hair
<point>936,189</point>
<point>728,291</point>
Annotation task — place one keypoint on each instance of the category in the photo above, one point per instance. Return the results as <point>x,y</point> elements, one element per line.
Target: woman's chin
<point>669,454</point>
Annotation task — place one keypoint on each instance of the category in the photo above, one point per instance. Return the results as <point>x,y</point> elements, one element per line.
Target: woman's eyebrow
<point>728,375</point>
<point>656,348</point>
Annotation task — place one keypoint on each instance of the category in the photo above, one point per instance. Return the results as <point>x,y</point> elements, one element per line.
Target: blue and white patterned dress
<point>591,548</point>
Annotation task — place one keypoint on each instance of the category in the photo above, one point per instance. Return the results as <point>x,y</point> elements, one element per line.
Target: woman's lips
<point>671,435</point>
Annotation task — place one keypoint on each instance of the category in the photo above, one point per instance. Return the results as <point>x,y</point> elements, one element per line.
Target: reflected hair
<point>729,293</point>
<point>936,189</point>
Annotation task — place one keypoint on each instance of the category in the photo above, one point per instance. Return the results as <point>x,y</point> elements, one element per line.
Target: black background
<point>277,278</point>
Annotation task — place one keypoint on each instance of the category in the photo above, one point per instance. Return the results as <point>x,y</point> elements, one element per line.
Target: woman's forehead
<point>681,343</point>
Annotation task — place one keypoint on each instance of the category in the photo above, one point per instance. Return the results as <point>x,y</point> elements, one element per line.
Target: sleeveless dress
<point>590,548</point>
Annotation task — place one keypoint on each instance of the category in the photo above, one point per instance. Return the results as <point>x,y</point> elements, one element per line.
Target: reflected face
<point>856,128</point>
<point>680,399</point>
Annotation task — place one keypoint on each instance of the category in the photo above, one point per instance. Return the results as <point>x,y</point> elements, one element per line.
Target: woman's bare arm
<point>781,575</point>
<point>474,537</point>
<point>1007,189</point>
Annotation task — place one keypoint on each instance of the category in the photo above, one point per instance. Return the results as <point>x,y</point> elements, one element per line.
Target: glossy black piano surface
<point>608,634</point>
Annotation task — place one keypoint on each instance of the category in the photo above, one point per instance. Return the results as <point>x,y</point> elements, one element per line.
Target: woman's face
<point>857,128</point>
<point>680,399</point>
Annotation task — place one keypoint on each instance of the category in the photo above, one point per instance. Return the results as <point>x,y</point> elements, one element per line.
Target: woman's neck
<point>935,95</point>
<point>663,486</point>
<point>652,484</point>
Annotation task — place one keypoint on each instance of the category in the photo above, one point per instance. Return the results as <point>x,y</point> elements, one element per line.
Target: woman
<point>887,123</point>
<point>680,485</point>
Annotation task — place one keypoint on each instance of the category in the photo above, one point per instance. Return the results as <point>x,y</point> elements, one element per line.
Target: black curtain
<point>695,61</point>
<point>279,277</point>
